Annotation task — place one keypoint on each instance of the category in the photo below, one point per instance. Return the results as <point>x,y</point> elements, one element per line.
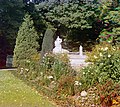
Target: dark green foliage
<point>74,21</point>
<point>26,42</point>
<point>71,15</point>
<point>47,44</point>
<point>39,23</point>
<point>111,18</point>
<point>11,15</point>
<point>56,65</point>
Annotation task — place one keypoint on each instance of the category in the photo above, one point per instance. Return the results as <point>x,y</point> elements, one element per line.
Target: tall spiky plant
<point>48,39</point>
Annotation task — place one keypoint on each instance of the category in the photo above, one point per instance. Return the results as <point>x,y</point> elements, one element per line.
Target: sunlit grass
<point>15,93</point>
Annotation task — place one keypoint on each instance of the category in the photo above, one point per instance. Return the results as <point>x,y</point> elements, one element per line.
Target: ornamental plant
<point>53,73</point>
<point>56,65</point>
<point>103,72</point>
<point>108,93</point>
<point>47,44</point>
<point>98,50</point>
<point>105,64</point>
<point>26,42</point>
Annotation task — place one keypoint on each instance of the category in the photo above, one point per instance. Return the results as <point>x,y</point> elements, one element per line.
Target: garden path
<point>77,60</point>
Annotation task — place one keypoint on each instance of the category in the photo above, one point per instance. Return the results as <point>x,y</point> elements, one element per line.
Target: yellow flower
<point>114,102</point>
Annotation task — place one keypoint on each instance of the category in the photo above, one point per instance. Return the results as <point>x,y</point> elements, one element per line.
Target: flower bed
<point>93,86</point>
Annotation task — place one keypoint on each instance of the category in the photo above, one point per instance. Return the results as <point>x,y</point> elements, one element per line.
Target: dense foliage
<point>103,73</point>
<point>105,61</point>
<point>26,42</point>
<point>11,15</point>
<point>54,76</point>
<point>74,21</point>
<point>111,18</point>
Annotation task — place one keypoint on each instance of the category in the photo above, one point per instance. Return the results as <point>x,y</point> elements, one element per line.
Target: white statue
<point>58,47</point>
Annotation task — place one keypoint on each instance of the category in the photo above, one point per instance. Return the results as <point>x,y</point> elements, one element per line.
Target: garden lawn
<point>15,93</point>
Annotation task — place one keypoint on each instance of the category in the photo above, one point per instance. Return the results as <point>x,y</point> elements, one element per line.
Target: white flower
<point>27,69</point>
<point>101,63</point>
<point>50,77</point>
<point>77,83</point>
<point>101,54</point>
<point>109,56</point>
<point>80,83</point>
<point>28,61</point>
<point>101,48</point>
<point>41,73</point>
<point>106,48</point>
<point>83,73</point>
<point>113,49</point>
<point>21,68</point>
<point>83,93</point>
<point>95,57</point>
<point>93,105</point>
<point>21,71</point>
<point>52,82</point>
<point>45,54</point>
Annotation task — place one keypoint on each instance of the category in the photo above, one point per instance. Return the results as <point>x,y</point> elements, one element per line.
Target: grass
<point>15,93</point>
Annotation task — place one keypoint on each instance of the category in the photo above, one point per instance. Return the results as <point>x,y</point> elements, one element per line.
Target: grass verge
<point>15,93</point>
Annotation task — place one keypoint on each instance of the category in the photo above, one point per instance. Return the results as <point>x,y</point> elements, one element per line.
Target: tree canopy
<point>11,15</point>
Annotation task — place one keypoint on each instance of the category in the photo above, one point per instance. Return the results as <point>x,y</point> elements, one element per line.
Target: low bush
<point>103,73</point>
<point>105,61</point>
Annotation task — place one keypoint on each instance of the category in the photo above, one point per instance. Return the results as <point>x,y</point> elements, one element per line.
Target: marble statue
<point>58,46</point>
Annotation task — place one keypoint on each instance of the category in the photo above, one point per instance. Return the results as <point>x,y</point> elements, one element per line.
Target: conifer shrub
<point>47,44</point>
<point>26,42</point>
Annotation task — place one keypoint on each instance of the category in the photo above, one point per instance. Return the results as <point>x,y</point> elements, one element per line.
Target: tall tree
<point>26,42</point>
<point>11,15</point>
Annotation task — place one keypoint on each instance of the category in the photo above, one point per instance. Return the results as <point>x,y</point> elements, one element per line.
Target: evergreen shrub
<point>26,41</point>
<point>47,44</point>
